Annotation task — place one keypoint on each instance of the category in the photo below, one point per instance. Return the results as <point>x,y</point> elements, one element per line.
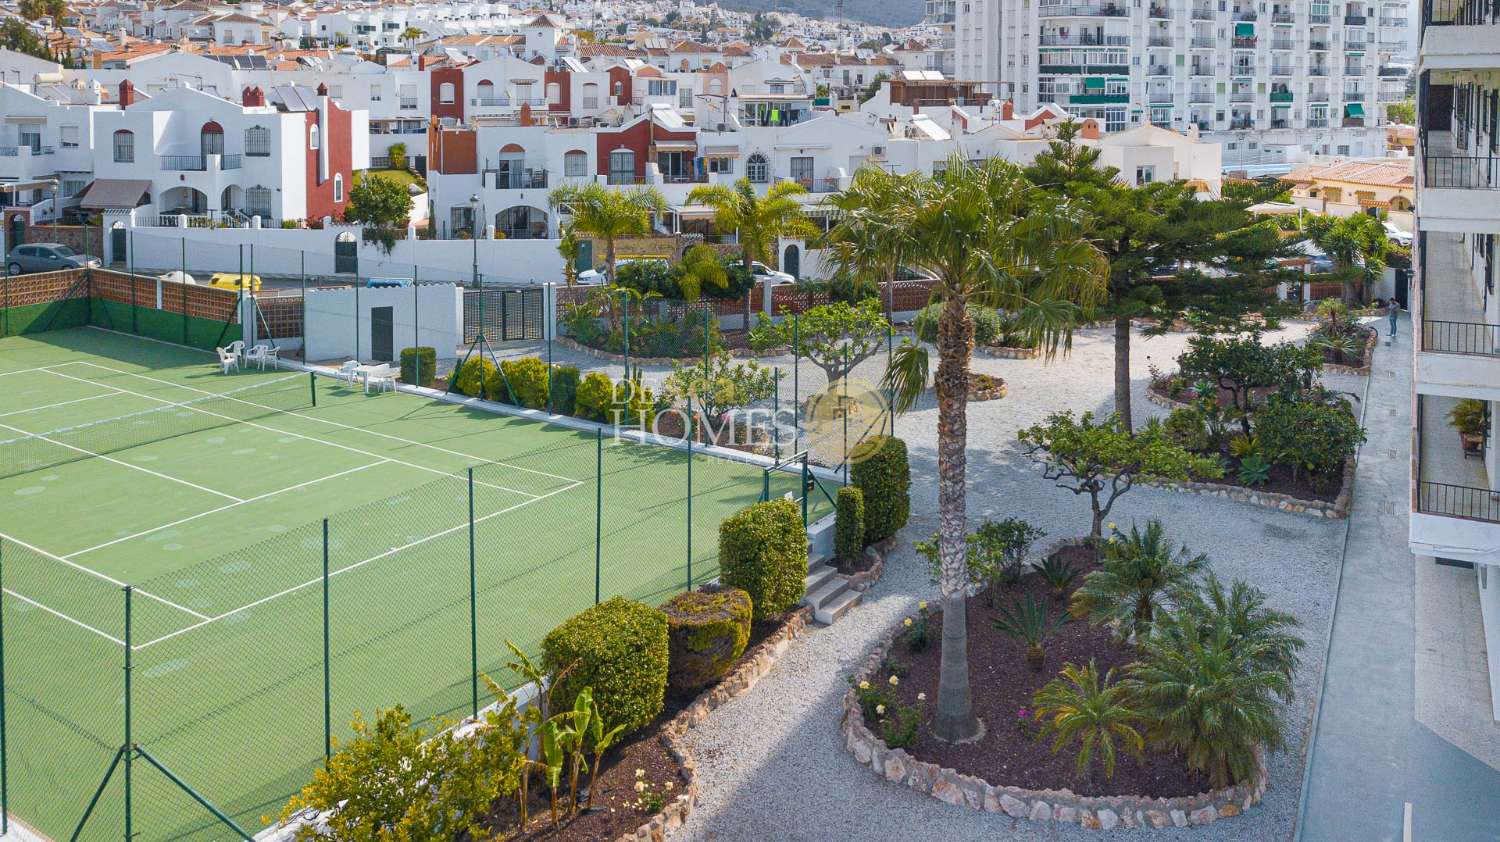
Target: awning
<point>1354,109</point>
<point>694,212</point>
<point>676,145</point>
<point>1244,30</point>
<point>721,152</point>
<point>114,193</point>
<point>1093,82</point>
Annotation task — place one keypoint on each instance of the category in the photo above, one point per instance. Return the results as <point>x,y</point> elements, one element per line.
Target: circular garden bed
<point>985,387</point>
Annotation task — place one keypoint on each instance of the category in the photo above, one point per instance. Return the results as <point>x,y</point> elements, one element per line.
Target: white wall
<point>424,314</point>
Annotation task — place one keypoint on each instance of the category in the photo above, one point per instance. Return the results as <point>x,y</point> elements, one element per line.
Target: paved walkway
<point>1371,753</point>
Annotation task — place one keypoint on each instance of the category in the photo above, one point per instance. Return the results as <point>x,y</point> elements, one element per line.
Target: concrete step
<point>819,575</point>
<point>829,611</point>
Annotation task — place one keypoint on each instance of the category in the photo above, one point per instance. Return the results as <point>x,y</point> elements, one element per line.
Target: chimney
<point>1007,110</point>
<point>322,89</point>
<point>127,94</point>
<point>253,96</point>
<point>1090,130</point>
<point>525,113</point>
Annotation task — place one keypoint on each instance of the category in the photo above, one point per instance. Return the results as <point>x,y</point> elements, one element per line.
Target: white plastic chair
<point>237,347</point>
<point>262,354</point>
<point>380,377</point>
<point>347,371</point>
<point>227,360</point>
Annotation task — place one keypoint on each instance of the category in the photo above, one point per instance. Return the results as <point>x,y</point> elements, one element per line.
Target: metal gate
<point>346,254</point>
<point>118,246</point>
<point>504,314</point>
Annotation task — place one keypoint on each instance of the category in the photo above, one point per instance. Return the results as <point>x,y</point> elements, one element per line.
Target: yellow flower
<point>1111,525</point>
<point>640,773</point>
<point>1113,540</point>
<point>922,605</point>
<point>906,622</point>
<point>640,786</point>
<point>667,786</point>
<point>895,681</point>
<point>864,685</point>
<point>880,710</point>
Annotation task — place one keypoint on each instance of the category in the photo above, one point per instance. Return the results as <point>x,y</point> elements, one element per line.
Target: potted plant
<point>1468,418</point>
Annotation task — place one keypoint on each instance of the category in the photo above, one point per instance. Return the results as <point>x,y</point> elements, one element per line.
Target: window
<point>485,91</point>
<point>590,95</point>
<point>258,201</point>
<point>336,91</point>
<point>661,87</point>
<point>684,97</point>
<point>374,93</point>
<point>576,164</point>
<point>73,186</point>
<point>211,139</point>
<point>124,147</point>
<point>338,187</point>
<point>68,135</point>
<point>445,93</point>
<point>312,137</point>
<point>1145,175</point>
<point>554,93</point>
<point>724,166</point>
<point>802,171</point>
<point>756,169</point>
<point>622,167</point>
<point>258,142</point>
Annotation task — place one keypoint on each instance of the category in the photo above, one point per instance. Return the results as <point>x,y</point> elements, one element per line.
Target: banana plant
<point>551,760</point>
<point>601,740</point>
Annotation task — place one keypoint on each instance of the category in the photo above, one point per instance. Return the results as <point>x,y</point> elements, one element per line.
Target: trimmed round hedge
<point>473,375</point>
<point>618,648</point>
<point>849,523</point>
<point>706,632</point>
<point>885,478</point>
<point>763,551</point>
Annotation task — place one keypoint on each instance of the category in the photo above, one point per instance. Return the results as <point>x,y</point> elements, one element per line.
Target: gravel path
<point>772,763</point>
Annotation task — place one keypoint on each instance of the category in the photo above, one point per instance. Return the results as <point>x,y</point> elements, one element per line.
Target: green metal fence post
<point>776,414</point>
<point>312,387</point>
<point>302,269</point>
<point>844,405</point>
<point>598,511</point>
<point>551,372</point>
<point>473,610</point>
<point>806,487</point>
<point>625,320</point>
<point>705,340</point>
<point>206,804</point>
<point>692,430</point>
<point>796,380</point>
<point>128,748</point>
<point>4,747</point>
<point>327,661</point>
<point>135,326</point>
<point>890,358</point>
<point>182,299</point>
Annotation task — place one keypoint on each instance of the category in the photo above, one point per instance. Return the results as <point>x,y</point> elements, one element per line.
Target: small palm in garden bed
<point>1340,339</point>
<point>1031,623</point>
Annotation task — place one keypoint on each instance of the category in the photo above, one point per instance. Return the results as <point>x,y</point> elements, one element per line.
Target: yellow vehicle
<point>234,281</point>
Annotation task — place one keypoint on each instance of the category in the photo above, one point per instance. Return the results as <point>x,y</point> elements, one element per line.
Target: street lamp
<point>474,206</point>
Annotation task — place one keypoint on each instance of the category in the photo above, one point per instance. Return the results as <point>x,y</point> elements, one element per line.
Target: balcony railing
<point>1159,70</point>
<point>1160,40</point>
<point>1202,13</point>
<point>1317,71</point>
<point>1248,15</point>
<point>196,163</point>
<point>1084,39</point>
<point>1281,70</point>
<point>1201,96</point>
<point>1109,10</point>
<point>1317,123</point>
<point>1160,97</point>
<point>1399,23</point>
<point>1242,96</point>
<point>1203,70</point>
<point>15,151</point>
<point>1461,338</point>
<point>1461,173</point>
<point>1283,17</point>
<point>1440,498</point>
<point>518,180</point>
<point>1355,20</point>
<point>1204,43</point>
<point>1244,43</point>
<point>1458,12</point>
<point>1244,123</point>
<point>1282,44</point>
<point>1354,70</point>
<point>1317,45</point>
<point>1160,12</point>
<point>1319,20</point>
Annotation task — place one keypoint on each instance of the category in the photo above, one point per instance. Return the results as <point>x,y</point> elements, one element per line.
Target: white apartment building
<point>1456,482</point>
<point>1271,80</point>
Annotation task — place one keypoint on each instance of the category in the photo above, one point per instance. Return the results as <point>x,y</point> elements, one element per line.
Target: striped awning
<point>676,145</point>
<point>1244,30</point>
<point>721,152</point>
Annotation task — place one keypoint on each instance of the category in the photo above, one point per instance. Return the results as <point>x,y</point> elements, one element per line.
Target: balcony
<point>1283,17</point>
<point>1317,71</point>
<point>1458,13</point>
<point>1317,122</point>
<point>196,163</point>
<point>1248,15</point>
<point>1281,96</point>
<point>1083,39</point>
<point>1159,12</point>
<point>1318,46</point>
<point>1395,23</point>
<point>1247,43</point>
<point>1159,97</point>
<point>516,179</point>
<point>1319,20</point>
<point>1202,70</point>
<point>1452,480</point>
<point>1354,70</point>
<point>1282,44</point>
<point>1201,97</point>
<point>1202,13</point>
<point>1241,123</point>
<point>1281,124</point>
<point>1159,70</point>
<point>1160,40</point>
<point>1081,10</point>
<point>1242,96</point>
<point>1099,99</point>
<point>15,151</point>
<point>1394,72</point>
<point>1200,43</point>
<point>1281,70</point>
<point>408,103</point>
<point>1355,20</point>
<point>1354,123</point>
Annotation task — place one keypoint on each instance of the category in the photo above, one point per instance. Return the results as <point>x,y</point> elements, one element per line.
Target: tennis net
<point>30,451</point>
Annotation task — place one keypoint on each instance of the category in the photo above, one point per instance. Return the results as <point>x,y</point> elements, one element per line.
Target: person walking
<point>1392,312</point>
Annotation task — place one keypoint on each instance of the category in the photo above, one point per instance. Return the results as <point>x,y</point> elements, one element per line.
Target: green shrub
<point>1311,438</point>
<point>526,379</point>
<point>595,399</point>
<point>706,631</point>
<point>418,365</point>
<point>885,478</point>
<point>397,151</point>
<point>763,551</point>
<point>564,389</point>
<point>989,325</point>
<point>473,376</point>
<point>618,648</point>
<point>849,524</point>
<point>1186,427</point>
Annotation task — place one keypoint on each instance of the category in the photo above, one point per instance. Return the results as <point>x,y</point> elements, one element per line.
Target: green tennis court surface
<point>130,462</point>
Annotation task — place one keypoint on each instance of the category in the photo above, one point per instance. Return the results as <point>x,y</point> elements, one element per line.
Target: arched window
<point>576,164</point>
<point>715,86</point>
<point>554,93</point>
<point>211,139</point>
<point>486,92</point>
<point>338,187</point>
<point>622,167</point>
<point>312,137</point>
<point>124,147</point>
<point>756,169</point>
<point>257,142</point>
<point>445,93</point>
<point>590,95</point>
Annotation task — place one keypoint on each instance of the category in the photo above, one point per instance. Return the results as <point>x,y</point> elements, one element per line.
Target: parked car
<point>1396,235</point>
<point>46,257</point>
<point>235,281</point>
<point>764,273</point>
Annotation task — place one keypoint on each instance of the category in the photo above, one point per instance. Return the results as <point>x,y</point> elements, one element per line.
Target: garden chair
<point>227,360</point>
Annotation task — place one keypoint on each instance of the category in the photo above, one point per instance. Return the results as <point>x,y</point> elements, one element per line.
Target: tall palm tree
<point>1138,574</point>
<point>1356,244</point>
<point>411,35</point>
<point>608,213</point>
<point>700,267</point>
<point>863,246</point>
<point>988,238</point>
<point>759,220</point>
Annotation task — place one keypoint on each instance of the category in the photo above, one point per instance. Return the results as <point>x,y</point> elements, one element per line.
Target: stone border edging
<point>575,345</point>
<point>1001,352</point>
<point>734,683</point>
<point>1104,812</point>
<point>995,392</point>
<point>1362,370</point>
<point>877,552</point>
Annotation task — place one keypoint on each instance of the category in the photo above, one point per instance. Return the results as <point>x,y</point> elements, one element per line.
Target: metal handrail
<point>1461,501</point>
<point>1461,172</point>
<point>1475,338</point>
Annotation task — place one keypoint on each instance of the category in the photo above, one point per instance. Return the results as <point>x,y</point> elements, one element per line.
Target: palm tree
<point>864,247</point>
<point>1356,244</point>
<point>759,220</point>
<point>1138,574</point>
<point>1262,634</point>
<point>1205,696</point>
<point>983,233</point>
<point>1078,707</point>
<point>411,34</point>
<point>568,248</point>
<point>1029,622</point>
<point>608,214</point>
<point>700,267</point>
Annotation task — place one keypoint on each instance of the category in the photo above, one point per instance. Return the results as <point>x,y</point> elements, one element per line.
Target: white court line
<point>258,497</point>
<point>354,566</point>
<point>1406,823</point>
<point>314,418</point>
<point>110,579</point>
<point>120,462</point>
<point>53,405</point>
<point>61,616</point>
<point>280,431</point>
<point>25,370</point>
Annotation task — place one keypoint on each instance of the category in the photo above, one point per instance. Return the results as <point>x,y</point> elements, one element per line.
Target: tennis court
<point>295,551</point>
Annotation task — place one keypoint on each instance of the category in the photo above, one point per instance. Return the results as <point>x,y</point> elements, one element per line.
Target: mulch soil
<point>1365,350</point>
<point>614,813</point>
<point>1003,685</point>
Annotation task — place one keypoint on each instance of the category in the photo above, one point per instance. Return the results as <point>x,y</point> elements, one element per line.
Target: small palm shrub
<point>1139,573</point>
<point>1057,573</point>
<point>1265,634</point>
<point>1030,623</point>
<point>1090,713</point>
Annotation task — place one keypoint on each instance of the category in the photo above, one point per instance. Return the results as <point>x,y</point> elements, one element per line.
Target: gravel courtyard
<point>772,763</point>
